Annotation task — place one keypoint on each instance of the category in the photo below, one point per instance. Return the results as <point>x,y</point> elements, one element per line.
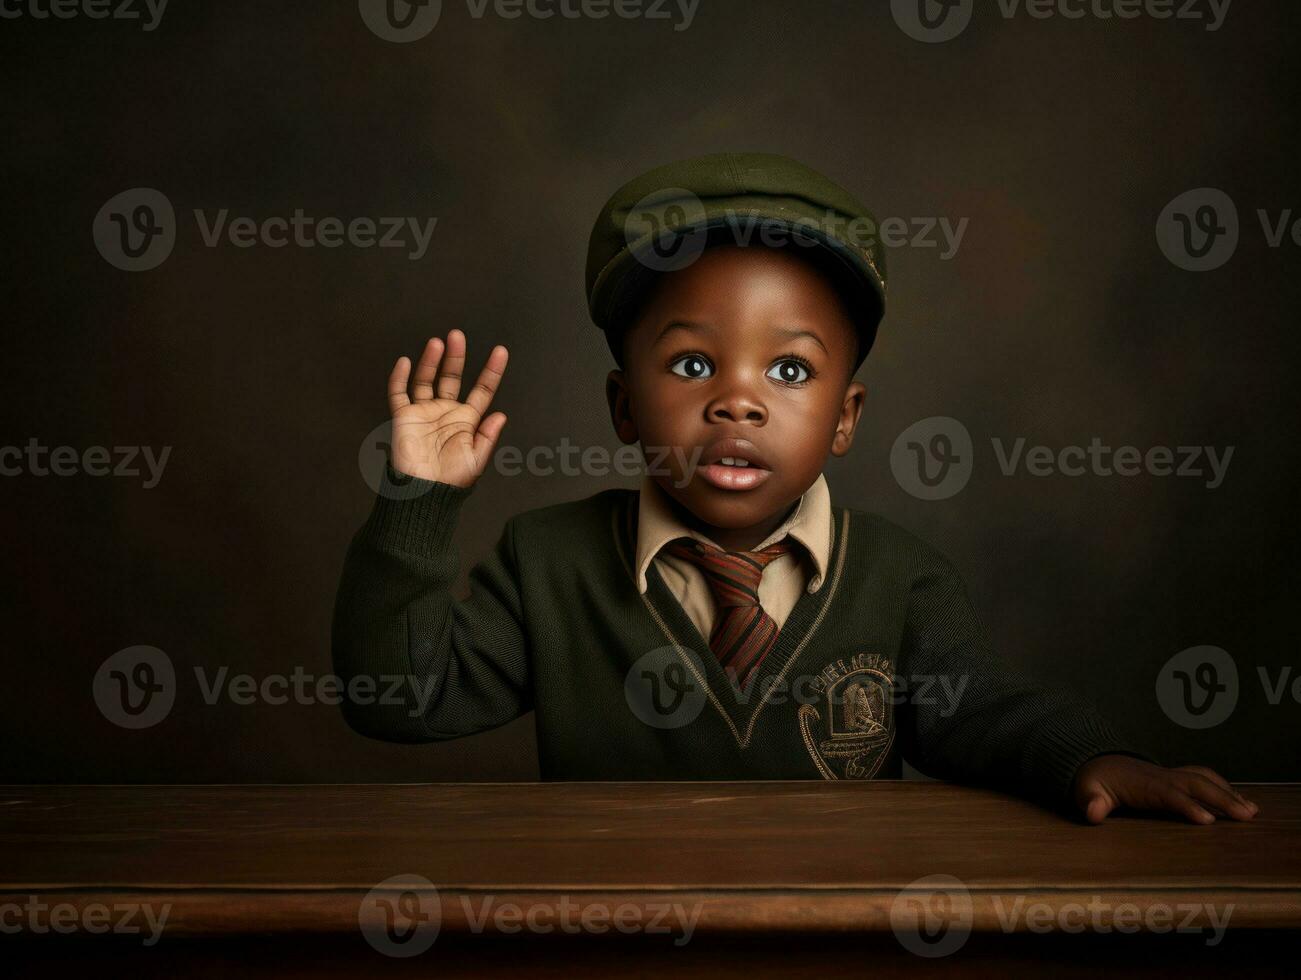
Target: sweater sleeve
<point>417,664</point>
<point>980,721</point>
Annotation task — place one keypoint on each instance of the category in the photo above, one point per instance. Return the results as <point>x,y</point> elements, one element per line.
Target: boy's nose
<point>737,405</point>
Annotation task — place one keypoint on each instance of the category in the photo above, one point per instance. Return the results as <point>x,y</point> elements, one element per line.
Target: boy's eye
<point>691,366</point>
<point>789,372</point>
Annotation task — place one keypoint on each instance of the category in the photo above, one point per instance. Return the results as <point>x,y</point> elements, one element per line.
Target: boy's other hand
<point>436,436</point>
<point>1195,793</point>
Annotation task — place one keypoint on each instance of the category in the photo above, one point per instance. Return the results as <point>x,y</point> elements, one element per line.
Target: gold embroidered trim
<point>691,666</point>
<point>805,711</point>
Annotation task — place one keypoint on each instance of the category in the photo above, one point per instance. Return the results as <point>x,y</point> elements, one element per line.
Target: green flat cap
<point>664,219</point>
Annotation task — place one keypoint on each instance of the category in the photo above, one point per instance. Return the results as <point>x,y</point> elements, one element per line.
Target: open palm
<point>436,436</point>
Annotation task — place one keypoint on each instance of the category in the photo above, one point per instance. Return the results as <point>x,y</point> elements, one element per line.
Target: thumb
<point>1096,803</point>
<point>1098,807</point>
<point>485,440</point>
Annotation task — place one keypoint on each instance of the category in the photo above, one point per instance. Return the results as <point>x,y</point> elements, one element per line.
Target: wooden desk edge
<point>236,912</point>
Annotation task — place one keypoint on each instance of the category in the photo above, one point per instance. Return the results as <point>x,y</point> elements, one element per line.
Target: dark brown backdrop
<point>1058,320</point>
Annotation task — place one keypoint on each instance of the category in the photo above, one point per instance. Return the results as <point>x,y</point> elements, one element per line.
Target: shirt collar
<point>809,524</point>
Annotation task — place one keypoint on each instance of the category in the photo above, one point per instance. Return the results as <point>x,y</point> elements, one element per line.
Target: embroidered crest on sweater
<point>849,733</point>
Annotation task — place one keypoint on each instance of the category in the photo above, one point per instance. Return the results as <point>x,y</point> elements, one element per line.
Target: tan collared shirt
<point>785,578</point>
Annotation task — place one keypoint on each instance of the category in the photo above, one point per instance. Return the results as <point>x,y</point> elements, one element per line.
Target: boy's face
<point>746,343</point>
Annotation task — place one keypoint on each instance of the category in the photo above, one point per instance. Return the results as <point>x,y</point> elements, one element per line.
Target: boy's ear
<point>616,393</point>
<point>850,410</point>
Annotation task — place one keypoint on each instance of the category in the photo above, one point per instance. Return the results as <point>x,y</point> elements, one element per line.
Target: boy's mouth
<point>733,464</point>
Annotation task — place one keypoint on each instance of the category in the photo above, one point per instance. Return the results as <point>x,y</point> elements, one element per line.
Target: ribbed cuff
<point>413,515</point>
<point>1064,748</point>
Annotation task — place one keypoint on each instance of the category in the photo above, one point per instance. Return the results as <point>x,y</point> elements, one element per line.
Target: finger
<point>1216,797</point>
<point>397,385</point>
<point>486,438</point>
<point>480,396</point>
<point>1192,786</point>
<point>1210,774</point>
<point>1177,801</point>
<point>449,377</point>
<point>1223,783</point>
<point>422,387</point>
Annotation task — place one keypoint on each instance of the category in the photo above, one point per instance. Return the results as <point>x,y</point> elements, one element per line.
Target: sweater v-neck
<point>740,708</point>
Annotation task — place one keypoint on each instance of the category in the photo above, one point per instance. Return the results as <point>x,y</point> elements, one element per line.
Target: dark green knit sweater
<point>886,661</point>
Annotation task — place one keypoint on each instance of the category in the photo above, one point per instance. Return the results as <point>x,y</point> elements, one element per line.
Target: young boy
<point>791,638</point>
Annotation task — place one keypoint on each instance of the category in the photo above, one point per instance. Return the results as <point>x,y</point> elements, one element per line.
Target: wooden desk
<point>790,875</point>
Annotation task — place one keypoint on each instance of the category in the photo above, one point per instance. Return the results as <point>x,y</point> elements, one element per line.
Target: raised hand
<point>436,436</point>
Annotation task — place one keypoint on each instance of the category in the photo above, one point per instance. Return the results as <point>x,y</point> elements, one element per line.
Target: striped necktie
<point>743,633</point>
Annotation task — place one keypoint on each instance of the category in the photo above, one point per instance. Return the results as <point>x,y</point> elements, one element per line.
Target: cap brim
<point>637,266</point>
